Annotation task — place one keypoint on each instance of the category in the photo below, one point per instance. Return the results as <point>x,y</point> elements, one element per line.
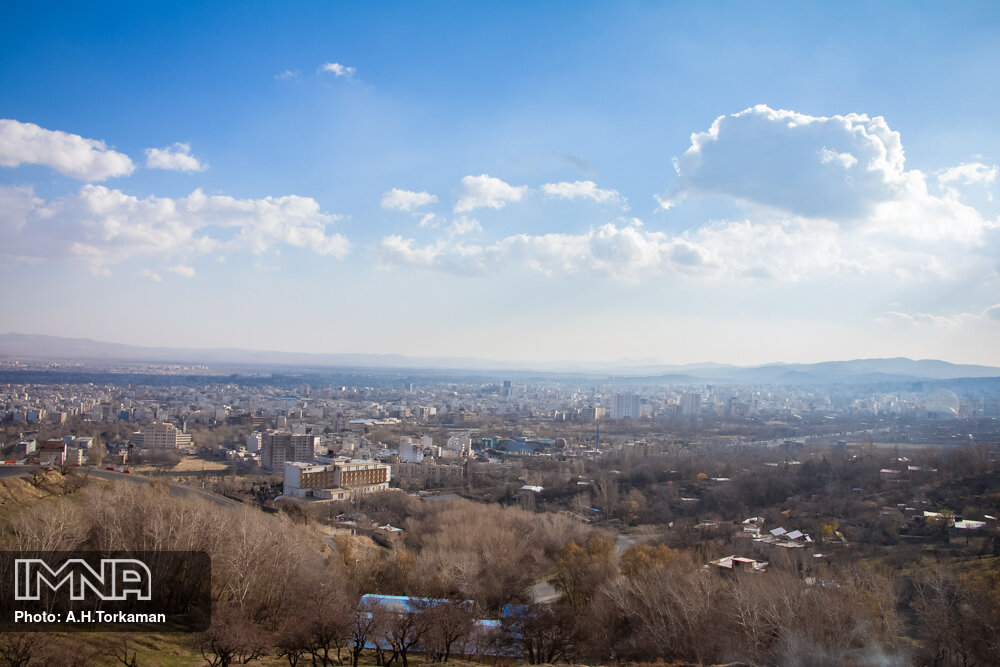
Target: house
<point>737,563</point>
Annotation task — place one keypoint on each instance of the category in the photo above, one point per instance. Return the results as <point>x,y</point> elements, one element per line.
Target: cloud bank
<point>104,226</point>
<point>823,197</point>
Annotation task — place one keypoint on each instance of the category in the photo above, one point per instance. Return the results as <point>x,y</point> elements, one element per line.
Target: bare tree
<point>367,620</point>
<point>326,620</point>
<point>403,631</point>
<point>447,625</point>
<point>122,652</point>
<point>22,649</point>
<point>542,633</point>
<point>292,640</point>
<point>231,638</point>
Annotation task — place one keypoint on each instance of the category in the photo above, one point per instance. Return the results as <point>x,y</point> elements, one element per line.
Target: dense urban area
<point>379,517</point>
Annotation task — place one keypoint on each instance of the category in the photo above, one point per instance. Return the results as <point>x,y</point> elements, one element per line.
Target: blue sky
<point>523,181</point>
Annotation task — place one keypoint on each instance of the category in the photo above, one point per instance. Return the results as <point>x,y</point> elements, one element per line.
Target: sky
<point>651,181</point>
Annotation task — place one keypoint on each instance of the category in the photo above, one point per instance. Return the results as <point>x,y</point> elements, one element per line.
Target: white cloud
<point>845,160</point>
<point>849,169</point>
<point>463,225</point>
<point>17,204</point>
<point>581,190</point>
<point>182,270</point>
<point>827,198</point>
<point>792,250</point>
<point>151,275</point>
<point>104,226</point>
<point>927,319</point>
<point>836,167</point>
<point>428,220</point>
<point>622,253</point>
<point>174,158</point>
<point>337,69</point>
<point>406,200</point>
<point>288,75</point>
<point>484,191</point>
<point>69,154</point>
<point>970,173</point>
<point>458,258</point>
<point>941,321</point>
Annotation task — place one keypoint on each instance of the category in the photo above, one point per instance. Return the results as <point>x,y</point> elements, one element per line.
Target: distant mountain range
<point>898,369</point>
<point>33,347</point>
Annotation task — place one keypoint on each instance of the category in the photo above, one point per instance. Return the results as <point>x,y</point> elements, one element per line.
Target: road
<point>111,475</point>
<point>544,593</point>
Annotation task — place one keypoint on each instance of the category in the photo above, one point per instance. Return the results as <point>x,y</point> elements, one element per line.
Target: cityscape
<point>807,483</point>
<point>639,333</point>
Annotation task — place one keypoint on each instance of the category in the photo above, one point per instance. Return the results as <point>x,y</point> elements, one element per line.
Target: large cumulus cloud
<point>850,169</point>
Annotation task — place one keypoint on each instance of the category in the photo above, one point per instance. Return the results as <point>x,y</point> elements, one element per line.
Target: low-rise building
<point>52,452</point>
<point>340,479</point>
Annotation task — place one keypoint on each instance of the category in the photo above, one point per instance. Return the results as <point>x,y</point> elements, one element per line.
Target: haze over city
<point>650,181</point>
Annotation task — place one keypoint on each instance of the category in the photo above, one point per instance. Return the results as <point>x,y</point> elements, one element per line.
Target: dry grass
<point>43,483</point>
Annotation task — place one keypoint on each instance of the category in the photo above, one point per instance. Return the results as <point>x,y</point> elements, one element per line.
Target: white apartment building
<point>161,435</point>
<point>625,406</point>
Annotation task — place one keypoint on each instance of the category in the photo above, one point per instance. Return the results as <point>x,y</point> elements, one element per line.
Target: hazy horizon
<point>105,351</point>
<point>745,184</point>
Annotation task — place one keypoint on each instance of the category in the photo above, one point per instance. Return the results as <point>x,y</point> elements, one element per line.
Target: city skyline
<point>530,183</point>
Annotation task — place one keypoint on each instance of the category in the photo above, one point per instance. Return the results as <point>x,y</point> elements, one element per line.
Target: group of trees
<point>457,549</point>
<point>656,602</point>
<point>283,588</point>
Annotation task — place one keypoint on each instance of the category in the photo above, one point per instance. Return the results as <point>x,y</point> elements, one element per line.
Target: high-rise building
<point>276,447</point>
<point>690,404</point>
<point>625,406</point>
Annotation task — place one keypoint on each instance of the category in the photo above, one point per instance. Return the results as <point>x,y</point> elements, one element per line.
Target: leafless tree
<point>367,621</point>
<point>122,652</point>
<point>403,630</point>
<point>542,633</point>
<point>447,625</point>
<point>22,649</point>
<point>231,638</point>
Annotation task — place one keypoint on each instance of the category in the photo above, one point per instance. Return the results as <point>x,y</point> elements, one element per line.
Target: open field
<point>905,446</point>
<point>180,650</point>
<point>188,464</point>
